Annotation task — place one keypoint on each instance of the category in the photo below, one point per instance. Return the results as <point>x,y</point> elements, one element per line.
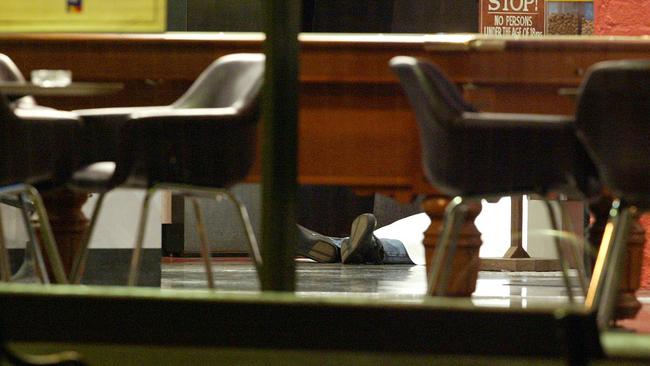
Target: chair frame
<point>79,263</point>
<point>439,99</point>
<point>49,243</point>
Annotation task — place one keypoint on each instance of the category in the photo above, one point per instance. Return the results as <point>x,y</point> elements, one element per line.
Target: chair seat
<point>101,132</point>
<point>94,177</point>
<point>466,152</point>
<point>508,154</point>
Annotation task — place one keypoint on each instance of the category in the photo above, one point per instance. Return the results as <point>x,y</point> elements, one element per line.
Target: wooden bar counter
<point>356,126</point>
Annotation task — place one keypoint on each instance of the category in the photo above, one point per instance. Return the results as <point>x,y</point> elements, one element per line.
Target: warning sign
<point>512,17</point>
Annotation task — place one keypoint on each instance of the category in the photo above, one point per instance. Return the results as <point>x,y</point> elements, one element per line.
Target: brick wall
<point>622,17</point>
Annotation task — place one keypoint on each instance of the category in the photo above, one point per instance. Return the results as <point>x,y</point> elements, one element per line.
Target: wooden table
<point>357,128</point>
<point>73,89</point>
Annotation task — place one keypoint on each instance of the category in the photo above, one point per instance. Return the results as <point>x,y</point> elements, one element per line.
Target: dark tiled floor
<point>388,282</point>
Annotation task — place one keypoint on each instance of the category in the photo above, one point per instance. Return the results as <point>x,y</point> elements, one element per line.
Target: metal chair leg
<point>79,263</point>
<point>203,238</point>
<point>605,281</point>
<point>34,247</point>
<point>136,258</point>
<point>5,266</point>
<point>564,265</point>
<point>33,265</point>
<point>441,266</point>
<point>253,246</point>
<point>49,242</point>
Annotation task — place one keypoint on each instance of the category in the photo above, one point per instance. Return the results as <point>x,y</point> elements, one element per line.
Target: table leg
<point>516,249</point>
<point>628,305</point>
<point>67,220</point>
<point>465,267</point>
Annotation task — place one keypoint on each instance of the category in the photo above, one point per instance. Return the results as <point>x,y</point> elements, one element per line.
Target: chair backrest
<point>10,72</point>
<point>428,87</point>
<point>613,122</point>
<point>208,136</point>
<point>8,69</point>
<point>438,105</point>
<point>230,81</point>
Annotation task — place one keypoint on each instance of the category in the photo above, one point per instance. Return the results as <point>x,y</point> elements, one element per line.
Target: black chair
<point>472,155</point>
<point>39,148</point>
<point>613,122</point>
<point>199,145</point>
<point>11,73</point>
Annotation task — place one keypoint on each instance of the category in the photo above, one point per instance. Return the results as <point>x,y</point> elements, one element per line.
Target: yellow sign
<point>83,15</point>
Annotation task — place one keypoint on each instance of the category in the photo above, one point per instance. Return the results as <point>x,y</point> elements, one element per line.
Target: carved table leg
<point>67,220</point>
<point>628,305</point>
<point>465,267</point>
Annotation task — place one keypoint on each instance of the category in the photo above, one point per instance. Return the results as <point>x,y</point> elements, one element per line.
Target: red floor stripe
<point>198,260</point>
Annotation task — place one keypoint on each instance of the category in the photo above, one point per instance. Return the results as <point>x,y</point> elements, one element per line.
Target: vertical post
<point>280,147</point>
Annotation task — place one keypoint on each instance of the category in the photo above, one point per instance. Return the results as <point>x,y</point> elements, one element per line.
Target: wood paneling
<point>357,128</point>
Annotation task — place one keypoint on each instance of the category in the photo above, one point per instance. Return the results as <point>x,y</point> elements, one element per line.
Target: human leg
<point>409,232</point>
<point>394,252</point>
<point>319,247</point>
<point>365,245</point>
<point>397,243</point>
<point>362,246</point>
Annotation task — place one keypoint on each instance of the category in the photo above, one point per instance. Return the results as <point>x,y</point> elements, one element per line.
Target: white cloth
<point>493,222</point>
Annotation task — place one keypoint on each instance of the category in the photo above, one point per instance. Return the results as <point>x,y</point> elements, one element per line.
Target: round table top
<point>72,89</point>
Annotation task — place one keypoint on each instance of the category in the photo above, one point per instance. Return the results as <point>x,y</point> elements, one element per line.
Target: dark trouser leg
<point>395,252</point>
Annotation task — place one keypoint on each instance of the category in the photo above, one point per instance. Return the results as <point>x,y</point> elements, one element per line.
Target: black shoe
<point>362,246</point>
<point>316,246</point>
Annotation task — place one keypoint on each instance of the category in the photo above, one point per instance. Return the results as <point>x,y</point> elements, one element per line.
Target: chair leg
<point>5,266</point>
<point>79,263</point>
<point>605,281</point>
<point>203,238</point>
<point>564,265</point>
<point>65,358</point>
<point>34,247</point>
<point>49,243</point>
<point>136,258</point>
<point>253,246</point>
<point>445,250</point>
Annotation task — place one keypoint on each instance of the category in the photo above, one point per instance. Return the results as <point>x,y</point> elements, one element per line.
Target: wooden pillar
<point>280,145</point>
<point>466,262</point>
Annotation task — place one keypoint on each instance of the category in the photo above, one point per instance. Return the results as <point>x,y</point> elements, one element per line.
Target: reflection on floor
<point>388,282</point>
